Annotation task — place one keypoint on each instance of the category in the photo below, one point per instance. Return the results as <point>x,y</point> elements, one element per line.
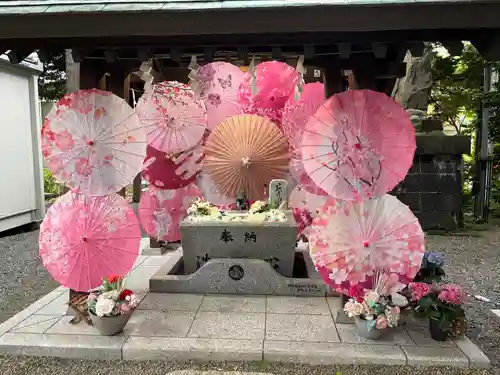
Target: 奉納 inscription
<point>250,237</point>
<point>226,236</point>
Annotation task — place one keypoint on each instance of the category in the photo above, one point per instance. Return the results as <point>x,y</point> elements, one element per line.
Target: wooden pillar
<point>332,76</point>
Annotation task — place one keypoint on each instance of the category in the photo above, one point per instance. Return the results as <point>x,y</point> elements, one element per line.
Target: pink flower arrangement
<point>419,290</point>
<point>382,322</point>
<point>451,293</point>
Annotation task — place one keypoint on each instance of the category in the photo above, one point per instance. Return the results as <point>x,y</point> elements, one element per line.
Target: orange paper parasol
<point>246,152</point>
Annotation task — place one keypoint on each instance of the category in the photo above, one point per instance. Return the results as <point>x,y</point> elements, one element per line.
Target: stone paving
<point>224,328</point>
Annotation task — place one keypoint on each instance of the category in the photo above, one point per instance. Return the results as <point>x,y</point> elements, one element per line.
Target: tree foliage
<point>457,91</point>
<point>52,82</point>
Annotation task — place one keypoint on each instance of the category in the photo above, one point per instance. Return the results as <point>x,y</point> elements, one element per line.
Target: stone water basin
<point>271,241</point>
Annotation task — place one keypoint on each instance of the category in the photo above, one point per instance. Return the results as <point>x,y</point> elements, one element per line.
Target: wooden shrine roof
<point>27,25</point>
<point>95,6</point>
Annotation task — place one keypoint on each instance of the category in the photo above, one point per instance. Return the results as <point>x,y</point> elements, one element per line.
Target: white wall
<point>21,175</point>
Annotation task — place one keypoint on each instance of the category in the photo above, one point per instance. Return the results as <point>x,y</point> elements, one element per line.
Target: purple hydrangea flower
<point>435,258</point>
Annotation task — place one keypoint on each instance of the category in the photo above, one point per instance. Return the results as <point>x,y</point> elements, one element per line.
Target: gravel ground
<point>472,261</point>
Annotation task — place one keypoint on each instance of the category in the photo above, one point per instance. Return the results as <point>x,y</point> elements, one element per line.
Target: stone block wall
<point>433,186</point>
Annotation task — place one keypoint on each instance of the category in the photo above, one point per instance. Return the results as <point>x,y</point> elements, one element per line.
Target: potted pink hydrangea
<point>110,305</point>
<point>441,304</point>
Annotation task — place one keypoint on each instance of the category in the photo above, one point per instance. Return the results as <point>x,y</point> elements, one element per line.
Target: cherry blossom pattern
<point>84,239</point>
<point>359,144</point>
<point>162,211</point>
<point>175,120</point>
<point>351,241</point>
<point>93,142</point>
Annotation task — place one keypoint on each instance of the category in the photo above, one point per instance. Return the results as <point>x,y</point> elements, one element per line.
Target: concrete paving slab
<point>187,349</point>
<point>229,325</point>
<point>181,327</point>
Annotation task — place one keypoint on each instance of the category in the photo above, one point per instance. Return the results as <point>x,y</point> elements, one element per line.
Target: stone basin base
<point>240,276</point>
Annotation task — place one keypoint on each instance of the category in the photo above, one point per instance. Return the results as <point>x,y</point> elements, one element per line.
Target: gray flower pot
<point>110,325</point>
<point>365,332</point>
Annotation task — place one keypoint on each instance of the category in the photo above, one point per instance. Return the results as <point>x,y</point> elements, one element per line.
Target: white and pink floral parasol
<point>175,121</point>
<point>84,239</point>
<point>219,83</point>
<point>305,206</point>
<point>93,142</point>
<point>351,242</point>
<point>162,211</point>
<point>359,144</point>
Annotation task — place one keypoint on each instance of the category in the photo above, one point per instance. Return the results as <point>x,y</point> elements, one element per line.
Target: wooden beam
<point>379,50</point>
<point>339,19</point>
<point>332,76</point>
<point>345,50</point>
<point>209,54</point>
<point>110,56</point>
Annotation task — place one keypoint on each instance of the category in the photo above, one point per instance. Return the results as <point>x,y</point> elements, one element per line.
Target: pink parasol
<point>84,239</point>
<point>168,171</point>
<point>351,242</point>
<point>93,141</point>
<point>162,211</point>
<point>300,176</point>
<point>275,82</point>
<point>305,206</point>
<point>176,121</point>
<point>359,144</point>
<point>297,112</point>
<point>219,83</point>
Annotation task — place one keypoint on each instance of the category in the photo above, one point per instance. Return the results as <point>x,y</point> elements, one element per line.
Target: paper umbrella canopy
<point>244,153</point>
<point>84,239</point>
<point>359,144</point>
<point>93,141</point>
<point>350,242</point>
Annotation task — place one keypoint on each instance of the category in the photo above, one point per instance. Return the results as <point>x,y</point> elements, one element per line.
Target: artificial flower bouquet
<point>201,209</point>
<point>377,310</point>
<point>111,298</point>
<point>442,304</point>
<point>261,211</point>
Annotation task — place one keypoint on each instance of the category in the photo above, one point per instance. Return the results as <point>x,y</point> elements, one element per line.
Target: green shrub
<point>50,184</point>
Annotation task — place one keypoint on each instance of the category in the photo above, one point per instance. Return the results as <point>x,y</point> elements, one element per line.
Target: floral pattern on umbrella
<point>359,144</point>
<point>162,211</point>
<point>296,113</point>
<point>350,242</point>
<point>219,83</point>
<point>300,176</point>
<point>84,239</point>
<point>175,121</point>
<point>305,206</point>
<point>172,171</point>
<point>93,141</point>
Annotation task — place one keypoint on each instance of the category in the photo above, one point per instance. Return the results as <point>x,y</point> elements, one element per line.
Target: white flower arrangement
<point>259,212</point>
<point>111,298</point>
<point>202,210</point>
